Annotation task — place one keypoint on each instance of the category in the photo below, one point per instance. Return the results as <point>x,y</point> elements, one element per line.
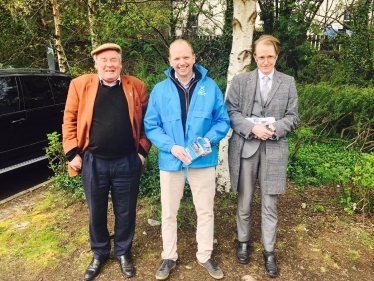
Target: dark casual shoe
<point>242,252</point>
<point>213,269</point>
<point>93,269</point>
<point>164,270</point>
<point>127,267</point>
<point>271,267</point>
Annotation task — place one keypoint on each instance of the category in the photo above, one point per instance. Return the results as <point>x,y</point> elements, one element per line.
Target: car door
<point>12,121</point>
<point>40,113</point>
<point>60,87</point>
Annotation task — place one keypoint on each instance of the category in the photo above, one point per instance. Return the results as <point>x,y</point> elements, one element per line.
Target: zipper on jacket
<point>186,92</point>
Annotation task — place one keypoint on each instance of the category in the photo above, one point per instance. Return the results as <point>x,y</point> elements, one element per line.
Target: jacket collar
<point>203,71</point>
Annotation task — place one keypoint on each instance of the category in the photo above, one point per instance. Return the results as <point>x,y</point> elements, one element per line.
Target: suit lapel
<point>91,92</point>
<point>274,87</point>
<point>250,97</point>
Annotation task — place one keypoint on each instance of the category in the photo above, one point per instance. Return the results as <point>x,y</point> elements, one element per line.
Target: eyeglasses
<point>269,59</point>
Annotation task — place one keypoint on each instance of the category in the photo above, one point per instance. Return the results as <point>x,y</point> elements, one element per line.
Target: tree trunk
<point>58,37</point>
<point>240,59</point>
<point>91,19</point>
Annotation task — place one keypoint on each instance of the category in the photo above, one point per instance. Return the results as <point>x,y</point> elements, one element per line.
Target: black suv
<point>32,102</point>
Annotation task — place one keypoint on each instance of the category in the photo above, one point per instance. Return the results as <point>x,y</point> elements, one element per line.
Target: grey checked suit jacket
<point>282,105</point>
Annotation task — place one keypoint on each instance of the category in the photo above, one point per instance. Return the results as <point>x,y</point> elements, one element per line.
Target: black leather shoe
<point>271,267</point>
<point>242,252</point>
<point>127,267</point>
<point>93,269</point>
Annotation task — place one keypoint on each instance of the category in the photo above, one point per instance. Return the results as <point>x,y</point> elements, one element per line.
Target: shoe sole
<point>214,276</point>
<point>97,273</point>
<point>242,262</point>
<point>271,275</point>
<point>93,277</point>
<point>128,276</point>
<point>163,278</point>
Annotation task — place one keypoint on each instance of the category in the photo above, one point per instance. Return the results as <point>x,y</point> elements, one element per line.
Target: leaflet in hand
<point>261,120</point>
<point>196,149</point>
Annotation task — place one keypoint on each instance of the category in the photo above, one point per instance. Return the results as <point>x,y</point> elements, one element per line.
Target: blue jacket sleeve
<point>153,126</point>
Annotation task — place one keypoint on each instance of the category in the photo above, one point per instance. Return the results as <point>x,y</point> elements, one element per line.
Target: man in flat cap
<point>104,141</point>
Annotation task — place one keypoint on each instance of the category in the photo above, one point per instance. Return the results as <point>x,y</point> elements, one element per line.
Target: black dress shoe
<point>242,252</point>
<point>93,269</point>
<point>271,267</point>
<point>127,267</point>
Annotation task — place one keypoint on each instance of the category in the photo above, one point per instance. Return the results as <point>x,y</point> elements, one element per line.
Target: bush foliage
<point>58,164</point>
<point>344,111</point>
<point>329,163</point>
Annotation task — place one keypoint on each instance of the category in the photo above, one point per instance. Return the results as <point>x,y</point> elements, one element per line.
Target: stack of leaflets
<point>261,120</point>
<point>196,149</point>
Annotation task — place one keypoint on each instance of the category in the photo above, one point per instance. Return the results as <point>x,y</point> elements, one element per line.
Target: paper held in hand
<point>261,120</point>
<point>196,149</point>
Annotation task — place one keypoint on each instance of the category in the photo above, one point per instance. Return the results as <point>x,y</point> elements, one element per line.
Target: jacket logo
<point>201,91</point>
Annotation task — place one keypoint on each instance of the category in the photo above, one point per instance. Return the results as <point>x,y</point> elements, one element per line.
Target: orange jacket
<point>79,110</point>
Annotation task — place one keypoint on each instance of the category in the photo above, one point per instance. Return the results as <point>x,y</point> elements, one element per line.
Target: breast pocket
<point>202,120</point>
<point>171,122</point>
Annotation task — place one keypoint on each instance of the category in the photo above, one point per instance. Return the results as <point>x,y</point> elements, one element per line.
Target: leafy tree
<point>290,21</point>
<point>359,63</point>
<point>23,36</point>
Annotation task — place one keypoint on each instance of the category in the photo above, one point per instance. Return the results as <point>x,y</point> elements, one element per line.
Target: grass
<point>52,232</point>
<point>363,238</point>
<point>327,258</point>
<point>354,255</point>
<point>38,236</point>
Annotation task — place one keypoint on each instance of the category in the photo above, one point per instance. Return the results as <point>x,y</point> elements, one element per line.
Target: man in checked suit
<point>260,151</point>
<point>104,140</point>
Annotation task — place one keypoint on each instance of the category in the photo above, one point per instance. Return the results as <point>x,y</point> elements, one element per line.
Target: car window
<point>9,99</point>
<point>36,91</point>
<point>60,86</point>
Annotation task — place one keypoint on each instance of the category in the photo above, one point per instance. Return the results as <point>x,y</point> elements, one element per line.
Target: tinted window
<point>36,91</point>
<point>9,100</point>
<point>60,86</point>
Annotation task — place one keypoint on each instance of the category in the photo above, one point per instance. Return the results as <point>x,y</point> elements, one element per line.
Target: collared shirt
<point>270,82</point>
<point>180,82</point>
<point>114,83</point>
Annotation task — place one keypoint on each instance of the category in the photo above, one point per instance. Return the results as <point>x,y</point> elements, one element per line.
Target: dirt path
<point>328,245</point>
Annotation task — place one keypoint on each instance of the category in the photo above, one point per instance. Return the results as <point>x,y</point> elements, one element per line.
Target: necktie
<point>265,88</point>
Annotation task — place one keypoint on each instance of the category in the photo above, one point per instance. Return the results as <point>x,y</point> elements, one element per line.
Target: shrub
<point>322,68</point>
<point>58,164</point>
<point>347,111</point>
<point>329,163</point>
<point>320,162</point>
<point>150,179</point>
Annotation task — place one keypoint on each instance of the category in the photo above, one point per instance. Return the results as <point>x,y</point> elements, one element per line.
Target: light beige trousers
<point>203,188</point>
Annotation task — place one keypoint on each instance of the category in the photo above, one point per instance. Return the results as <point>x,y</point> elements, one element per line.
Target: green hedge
<point>346,111</point>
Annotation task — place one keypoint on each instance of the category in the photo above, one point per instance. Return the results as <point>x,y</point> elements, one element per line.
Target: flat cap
<point>106,46</point>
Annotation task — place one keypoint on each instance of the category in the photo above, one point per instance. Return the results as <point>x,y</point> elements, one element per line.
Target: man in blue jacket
<point>185,106</point>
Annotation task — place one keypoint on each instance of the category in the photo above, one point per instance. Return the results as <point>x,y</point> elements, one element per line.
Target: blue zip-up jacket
<point>207,117</point>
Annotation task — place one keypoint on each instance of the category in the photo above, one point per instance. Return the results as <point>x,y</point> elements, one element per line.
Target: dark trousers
<point>121,177</point>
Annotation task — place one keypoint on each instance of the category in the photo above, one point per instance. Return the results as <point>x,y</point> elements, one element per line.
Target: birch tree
<point>91,11</point>
<point>61,58</point>
<point>243,25</point>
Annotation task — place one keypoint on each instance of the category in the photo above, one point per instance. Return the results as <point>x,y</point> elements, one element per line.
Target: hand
<point>260,131</point>
<point>271,126</point>
<point>181,154</point>
<point>207,145</point>
<point>76,163</point>
<point>141,158</point>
